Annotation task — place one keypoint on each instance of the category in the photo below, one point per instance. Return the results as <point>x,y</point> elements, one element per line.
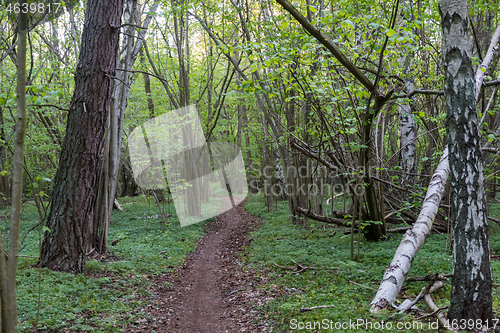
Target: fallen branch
<point>390,230</point>
<point>362,285</point>
<point>116,205</point>
<point>430,277</point>
<point>402,229</point>
<point>433,307</point>
<point>282,267</point>
<point>316,307</point>
<point>432,313</point>
<point>395,273</point>
<point>429,288</point>
<point>151,217</point>
<point>494,219</point>
<point>412,240</point>
<point>302,268</point>
<point>322,218</point>
<point>296,270</point>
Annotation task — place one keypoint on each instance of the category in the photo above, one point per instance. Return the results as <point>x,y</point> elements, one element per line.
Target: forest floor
<point>210,293</point>
<point>248,270</point>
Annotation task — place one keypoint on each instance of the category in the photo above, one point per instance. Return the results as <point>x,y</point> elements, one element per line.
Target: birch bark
<point>471,284</point>
<point>395,273</point>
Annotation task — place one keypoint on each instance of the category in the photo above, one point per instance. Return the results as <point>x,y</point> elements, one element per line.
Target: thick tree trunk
<point>471,284</point>
<point>119,101</point>
<point>64,246</point>
<point>386,294</point>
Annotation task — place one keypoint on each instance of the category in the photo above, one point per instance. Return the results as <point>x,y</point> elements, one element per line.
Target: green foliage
<point>279,241</point>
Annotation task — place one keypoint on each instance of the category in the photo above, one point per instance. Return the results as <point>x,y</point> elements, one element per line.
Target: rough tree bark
<point>396,272</point>
<point>131,46</point>
<point>63,248</point>
<point>471,284</point>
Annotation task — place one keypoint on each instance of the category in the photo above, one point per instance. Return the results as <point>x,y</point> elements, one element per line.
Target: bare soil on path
<point>210,293</point>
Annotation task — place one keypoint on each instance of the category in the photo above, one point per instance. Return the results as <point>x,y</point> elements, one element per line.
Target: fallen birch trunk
<point>414,238</point>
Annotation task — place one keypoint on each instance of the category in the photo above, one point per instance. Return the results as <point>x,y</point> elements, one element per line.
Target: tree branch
<point>336,52</point>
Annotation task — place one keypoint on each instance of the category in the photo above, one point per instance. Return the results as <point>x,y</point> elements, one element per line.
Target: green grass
<point>104,300</point>
<point>316,245</point>
<point>107,298</point>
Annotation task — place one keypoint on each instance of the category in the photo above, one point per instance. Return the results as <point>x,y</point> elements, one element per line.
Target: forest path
<point>210,292</point>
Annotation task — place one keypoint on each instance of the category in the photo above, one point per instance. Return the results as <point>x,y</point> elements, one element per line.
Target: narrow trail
<point>210,293</point>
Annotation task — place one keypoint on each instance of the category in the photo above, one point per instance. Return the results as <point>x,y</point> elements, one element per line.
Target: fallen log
<point>414,239</point>
<point>322,218</point>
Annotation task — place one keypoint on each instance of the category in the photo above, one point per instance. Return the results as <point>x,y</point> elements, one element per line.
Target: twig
<point>362,285</point>
<point>302,268</point>
<point>430,277</point>
<point>433,306</point>
<point>275,264</point>
<point>429,288</point>
<point>419,91</point>
<point>316,307</point>
<point>432,313</point>
<point>133,25</point>
<point>48,105</point>
<point>233,292</point>
<point>491,83</point>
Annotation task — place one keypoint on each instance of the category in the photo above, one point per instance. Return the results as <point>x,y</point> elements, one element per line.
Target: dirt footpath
<point>210,293</point>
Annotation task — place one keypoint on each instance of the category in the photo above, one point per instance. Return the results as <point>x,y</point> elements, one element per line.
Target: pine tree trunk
<point>64,246</point>
<point>471,284</point>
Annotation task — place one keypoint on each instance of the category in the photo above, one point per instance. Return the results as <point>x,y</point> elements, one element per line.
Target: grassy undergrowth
<point>103,300</point>
<point>341,282</point>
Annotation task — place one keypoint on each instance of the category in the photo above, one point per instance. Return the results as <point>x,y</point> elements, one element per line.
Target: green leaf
<point>390,32</point>
<point>349,22</point>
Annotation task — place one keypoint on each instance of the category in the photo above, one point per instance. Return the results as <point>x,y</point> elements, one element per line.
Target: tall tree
<point>106,187</point>
<point>8,317</point>
<point>471,286</point>
<point>64,246</point>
